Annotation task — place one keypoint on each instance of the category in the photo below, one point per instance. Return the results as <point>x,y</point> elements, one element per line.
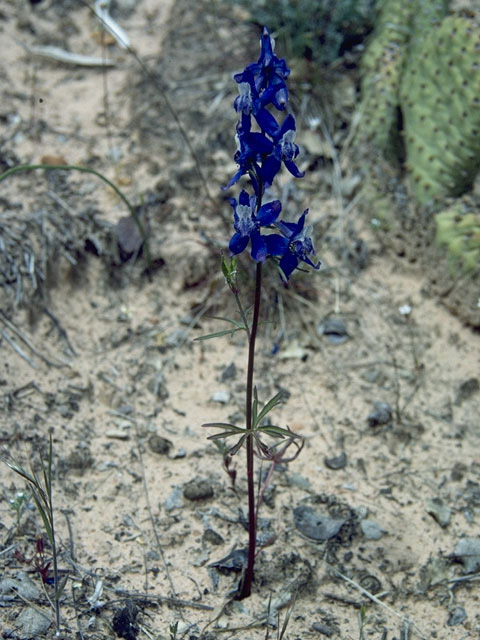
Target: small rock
<point>129,237</point>
<point>371,530</point>
<point>456,616</point>
<point>223,397</point>
<point>334,329</point>
<point>33,623</point>
<point>467,389</point>
<point>439,511</point>
<point>212,537</point>
<point>229,373</point>
<point>235,561</point>
<point>124,621</point>
<point>159,445</point>
<point>174,500</point>
<point>467,550</point>
<point>337,462</point>
<point>116,434</point>
<point>181,453</point>
<point>324,629</point>
<point>458,471</point>
<point>21,584</point>
<point>382,414</point>
<point>198,489</point>
<point>317,527</point>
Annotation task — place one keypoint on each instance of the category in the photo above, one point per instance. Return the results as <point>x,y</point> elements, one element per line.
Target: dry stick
<point>15,346</point>
<point>149,507</point>
<point>25,340</point>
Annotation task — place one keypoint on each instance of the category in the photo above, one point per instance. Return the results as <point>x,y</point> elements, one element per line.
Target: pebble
<point>223,397</point>
<point>229,373</point>
<point>467,550</point>
<point>315,526</point>
<point>324,629</point>
<point>212,537</point>
<point>198,489</point>
<point>371,530</point>
<point>33,623</point>
<point>235,561</point>
<point>456,616</point>
<point>22,585</point>
<point>382,414</point>
<point>334,329</point>
<point>467,389</point>
<point>337,462</point>
<point>440,512</point>
<point>159,445</point>
<point>174,500</point>
<point>115,434</point>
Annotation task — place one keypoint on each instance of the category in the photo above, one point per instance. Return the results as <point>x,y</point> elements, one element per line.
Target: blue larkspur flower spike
<point>297,245</point>
<point>247,223</point>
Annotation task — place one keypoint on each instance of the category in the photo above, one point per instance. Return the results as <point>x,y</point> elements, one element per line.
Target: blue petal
<point>289,229</point>
<point>280,98</point>
<point>259,248</point>
<point>288,264</point>
<point>294,170</point>
<point>244,198</point>
<point>270,168</point>
<point>259,143</point>
<point>276,244</point>
<point>269,212</point>
<point>266,122</point>
<point>287,125</point>
<point>238,243</point>
<point>234,179</point>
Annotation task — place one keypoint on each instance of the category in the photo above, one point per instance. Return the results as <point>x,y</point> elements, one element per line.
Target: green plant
<point>318,30</point>
<point>40,486</point>
<point>260,156</point>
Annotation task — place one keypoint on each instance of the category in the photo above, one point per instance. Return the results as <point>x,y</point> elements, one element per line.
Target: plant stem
<point>252,517</point>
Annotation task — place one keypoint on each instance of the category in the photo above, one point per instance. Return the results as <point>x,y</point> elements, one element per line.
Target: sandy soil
<point>103,354</point>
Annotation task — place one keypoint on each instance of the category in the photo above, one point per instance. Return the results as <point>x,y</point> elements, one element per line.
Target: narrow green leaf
<point>222,435</point>
<point>218,334</point>
<point>233,450</point>
<point>277,432</point>
<point>237,323</point>
<point>271,404</point>
<point>225,425</point>
<point>61,587</point>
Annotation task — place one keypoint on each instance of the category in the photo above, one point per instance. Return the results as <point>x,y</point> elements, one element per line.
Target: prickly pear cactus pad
<point>458,229</point>
<point>440,101</point>
<point>381,70</point>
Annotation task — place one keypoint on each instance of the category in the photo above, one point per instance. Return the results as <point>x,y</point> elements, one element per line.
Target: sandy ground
<point>386,399</point>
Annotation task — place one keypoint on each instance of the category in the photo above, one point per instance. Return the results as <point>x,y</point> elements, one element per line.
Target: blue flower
<point>268,74</point>
<point>248,102</point>
<point>247,223</point>
<point>297,245</point>
<point>252,148</point>
<point>284,150</point>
